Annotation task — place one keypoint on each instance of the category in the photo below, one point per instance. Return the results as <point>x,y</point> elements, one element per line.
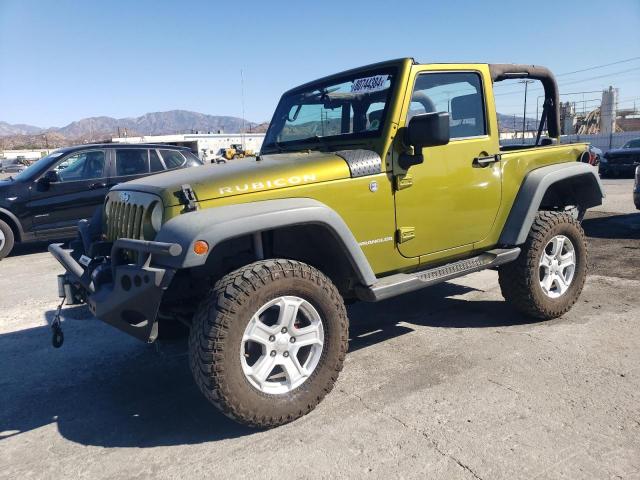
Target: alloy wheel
<point>557,266</point>
<point>282,345</point>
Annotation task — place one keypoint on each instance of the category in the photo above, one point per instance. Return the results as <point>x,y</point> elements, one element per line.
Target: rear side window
<point>132,162</point>
<point>155,162</point>
<point>192,160</point>
<point>172,158</point>
<point>459,93</point>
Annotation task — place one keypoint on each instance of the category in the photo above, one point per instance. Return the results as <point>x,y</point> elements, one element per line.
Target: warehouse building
<point>207,146</point>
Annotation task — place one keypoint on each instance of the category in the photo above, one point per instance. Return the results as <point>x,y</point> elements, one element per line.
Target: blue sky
<point>64,60</point>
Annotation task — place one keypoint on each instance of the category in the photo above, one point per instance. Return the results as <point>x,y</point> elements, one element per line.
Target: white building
<point>206,145</point>
<point>30,155</point>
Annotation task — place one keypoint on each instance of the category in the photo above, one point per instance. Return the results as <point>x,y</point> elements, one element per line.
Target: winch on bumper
<point>121,294</point>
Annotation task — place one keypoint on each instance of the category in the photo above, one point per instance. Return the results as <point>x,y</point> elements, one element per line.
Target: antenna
<point>242,100</point>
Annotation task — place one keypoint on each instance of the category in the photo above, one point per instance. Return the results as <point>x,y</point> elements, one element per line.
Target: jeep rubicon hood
<point>243,176</point>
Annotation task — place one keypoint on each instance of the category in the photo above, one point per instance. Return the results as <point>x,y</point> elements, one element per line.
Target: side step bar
<point>407,282</point>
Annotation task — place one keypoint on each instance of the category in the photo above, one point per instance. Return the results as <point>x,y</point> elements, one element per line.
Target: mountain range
<point>103,128</point>
<point>96,129</point>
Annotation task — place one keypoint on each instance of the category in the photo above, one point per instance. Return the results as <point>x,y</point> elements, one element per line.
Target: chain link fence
<point>603,142</point>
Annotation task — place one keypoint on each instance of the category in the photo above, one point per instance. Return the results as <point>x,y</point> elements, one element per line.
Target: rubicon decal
<point>268,184</point>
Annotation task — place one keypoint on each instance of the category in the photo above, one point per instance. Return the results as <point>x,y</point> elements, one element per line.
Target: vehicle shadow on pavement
<point>614,244</point>
<point>30,248</point>
<point>107,389</point>
<point>623,226</point>
<point>373,323</point>
<point>104,388</point>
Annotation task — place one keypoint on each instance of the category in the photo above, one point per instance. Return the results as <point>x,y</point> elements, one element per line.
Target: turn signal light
<point>200,247</point>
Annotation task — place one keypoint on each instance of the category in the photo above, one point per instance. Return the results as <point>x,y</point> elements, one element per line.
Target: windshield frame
<point>273,146</point>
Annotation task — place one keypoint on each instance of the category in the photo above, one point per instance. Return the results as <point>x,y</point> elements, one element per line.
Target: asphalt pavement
<point>448,382</point>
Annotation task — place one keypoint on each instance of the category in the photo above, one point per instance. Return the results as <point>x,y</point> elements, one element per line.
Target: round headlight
<point>156,217</point>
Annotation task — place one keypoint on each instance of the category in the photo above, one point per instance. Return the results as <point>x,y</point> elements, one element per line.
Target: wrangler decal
<point>375,241</point>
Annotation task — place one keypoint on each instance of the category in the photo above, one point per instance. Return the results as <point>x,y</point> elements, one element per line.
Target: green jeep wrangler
<point>370,183</point>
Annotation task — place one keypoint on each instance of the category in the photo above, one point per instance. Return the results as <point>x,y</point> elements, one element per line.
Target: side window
<point>81,166</point>
<point>459,93</point>
<point>172,158</point>
<point>132,162</point>
<point>155,162</point>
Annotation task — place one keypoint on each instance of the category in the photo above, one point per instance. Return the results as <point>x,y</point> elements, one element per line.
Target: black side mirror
<point>428,130</point>
<point>45,181</point>
<point>425,130</point>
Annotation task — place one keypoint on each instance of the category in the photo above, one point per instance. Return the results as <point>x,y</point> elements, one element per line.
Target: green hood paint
<point>245,175</point>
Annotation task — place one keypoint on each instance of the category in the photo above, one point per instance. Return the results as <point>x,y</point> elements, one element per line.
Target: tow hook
<point>57,338</point>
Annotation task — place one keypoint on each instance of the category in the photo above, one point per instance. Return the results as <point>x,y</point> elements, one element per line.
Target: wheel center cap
<point>282,342</point>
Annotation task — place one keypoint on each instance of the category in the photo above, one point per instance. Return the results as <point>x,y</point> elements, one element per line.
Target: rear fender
<point>581,177</point>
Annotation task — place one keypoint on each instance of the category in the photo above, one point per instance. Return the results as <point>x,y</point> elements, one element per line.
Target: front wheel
<point>6,239</point>
<point>268,343</point>
<point>547,278</point>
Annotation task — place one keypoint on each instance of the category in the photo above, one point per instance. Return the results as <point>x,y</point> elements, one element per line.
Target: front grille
<point>128,215</point>
<point>125,220</point>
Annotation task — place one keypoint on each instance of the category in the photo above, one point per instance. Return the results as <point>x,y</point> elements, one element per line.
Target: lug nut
<point>272,338</point>
<point>292,339</point>
<point>285,354</point>
<point>273,353</point>
<point>284,330</point>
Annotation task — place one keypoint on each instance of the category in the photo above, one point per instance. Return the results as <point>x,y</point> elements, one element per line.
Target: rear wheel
<point>268,343</point>
<point>7,239</point>
<point>547,278</point>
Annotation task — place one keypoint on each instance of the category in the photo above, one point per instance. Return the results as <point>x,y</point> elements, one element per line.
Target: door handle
<point>96,186</point>
<point>486,160</point>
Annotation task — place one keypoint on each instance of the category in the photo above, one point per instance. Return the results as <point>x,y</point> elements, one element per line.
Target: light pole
<point>524,115</point>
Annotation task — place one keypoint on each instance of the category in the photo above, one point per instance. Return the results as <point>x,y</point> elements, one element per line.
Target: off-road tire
<point>520,279</point>
<point>9,240</point>
<point>217,331</point>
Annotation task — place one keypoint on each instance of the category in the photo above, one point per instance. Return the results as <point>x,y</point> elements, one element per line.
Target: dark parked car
<point>636,189</point>
<point>621,161</point>
<point>46,200</point>
<point>13,165</point>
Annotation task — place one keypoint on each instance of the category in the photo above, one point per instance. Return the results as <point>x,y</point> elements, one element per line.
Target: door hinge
<point>404,234</point>
<point>403,181</point>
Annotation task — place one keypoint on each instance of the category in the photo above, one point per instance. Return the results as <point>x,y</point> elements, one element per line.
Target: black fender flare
<point>16,222</point>
<point>218,224</point>
<point>535,186</point>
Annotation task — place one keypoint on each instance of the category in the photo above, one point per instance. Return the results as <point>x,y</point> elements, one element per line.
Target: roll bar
<point>551,108</point>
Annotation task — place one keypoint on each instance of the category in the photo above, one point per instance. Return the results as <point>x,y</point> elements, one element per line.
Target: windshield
<point>632,143</point>
<point>351,107</point>
<point>38,167</point>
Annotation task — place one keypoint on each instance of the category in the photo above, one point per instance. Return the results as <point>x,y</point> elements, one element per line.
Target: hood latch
<point>187,197</point>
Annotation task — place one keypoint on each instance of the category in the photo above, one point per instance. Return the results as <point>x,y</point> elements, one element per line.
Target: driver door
<point>451,199</point>
<point>80,187</point>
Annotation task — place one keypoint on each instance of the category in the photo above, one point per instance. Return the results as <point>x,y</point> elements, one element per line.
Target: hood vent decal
<point>361,162</point>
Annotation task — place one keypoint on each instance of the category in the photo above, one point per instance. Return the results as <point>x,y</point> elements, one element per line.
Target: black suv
<point>47,200</point>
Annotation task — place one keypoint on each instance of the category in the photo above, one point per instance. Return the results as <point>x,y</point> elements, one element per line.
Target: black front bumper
<point>131,298</point>
<point>617,168</point>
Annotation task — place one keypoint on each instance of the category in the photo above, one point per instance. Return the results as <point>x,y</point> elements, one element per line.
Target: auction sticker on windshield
<point>369,84</point>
